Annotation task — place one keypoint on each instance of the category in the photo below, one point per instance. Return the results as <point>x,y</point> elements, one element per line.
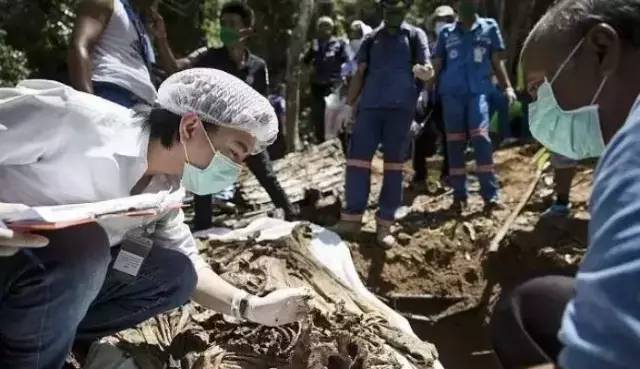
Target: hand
<point>510,93</point>
<point>345,116</point>
<point>11,242</point>
<point>280,307</point>
<point>423,72</point>
<point>415,128</point>
<point>158,27</point>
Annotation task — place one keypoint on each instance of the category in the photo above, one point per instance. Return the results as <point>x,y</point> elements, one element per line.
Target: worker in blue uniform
<point>390,61</point>
<point>468,53</point>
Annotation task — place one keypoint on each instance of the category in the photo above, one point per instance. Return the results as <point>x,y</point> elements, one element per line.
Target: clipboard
<point>49,218</point>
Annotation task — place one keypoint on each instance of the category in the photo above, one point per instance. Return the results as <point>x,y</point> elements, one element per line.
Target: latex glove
<point>345,116</point>
<point>423,72</point>
<point>510,93</point>
<point>11,242</point>
<point>415,129</point>
<point>279,307</point>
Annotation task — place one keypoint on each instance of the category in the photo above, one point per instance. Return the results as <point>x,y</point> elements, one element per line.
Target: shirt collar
<point>479,23</point>
<point>249,57</point>
<point>403,27</point>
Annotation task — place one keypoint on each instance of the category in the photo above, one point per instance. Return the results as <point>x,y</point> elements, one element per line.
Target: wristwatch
<point>243,307</point>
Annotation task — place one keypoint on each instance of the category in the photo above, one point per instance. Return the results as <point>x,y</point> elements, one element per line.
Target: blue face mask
<point>575,134</point>
<point>220,174</point>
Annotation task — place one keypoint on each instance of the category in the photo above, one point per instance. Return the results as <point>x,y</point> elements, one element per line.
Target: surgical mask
<point>577,133</point>
<point>229,36</point>
<point>355,45</point>
<point>220,174</point>
<point>440,26</point>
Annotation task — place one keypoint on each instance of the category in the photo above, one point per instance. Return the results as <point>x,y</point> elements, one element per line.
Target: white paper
<point>77,212</point>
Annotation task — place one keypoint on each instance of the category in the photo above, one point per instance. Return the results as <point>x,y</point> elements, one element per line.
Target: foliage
<point>41,30</point>
<point>12,63</point>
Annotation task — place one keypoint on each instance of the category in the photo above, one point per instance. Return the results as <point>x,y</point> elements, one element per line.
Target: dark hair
<point>239,8</point>
<point>165,126</point>
<point>581,15</point>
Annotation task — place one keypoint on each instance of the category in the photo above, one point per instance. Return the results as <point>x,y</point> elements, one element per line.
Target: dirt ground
<point>442,277</point>
<point>446,258</point>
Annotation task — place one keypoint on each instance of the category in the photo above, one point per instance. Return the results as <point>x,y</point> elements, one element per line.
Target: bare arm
<point>213,292</point>
<point>497,60</point>
<point>357,82</point>
<point>167,60</point>
<point>93,17</point>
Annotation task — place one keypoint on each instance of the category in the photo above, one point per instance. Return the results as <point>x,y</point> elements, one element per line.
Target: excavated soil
<point>444,258</point>
<point>441,277</point>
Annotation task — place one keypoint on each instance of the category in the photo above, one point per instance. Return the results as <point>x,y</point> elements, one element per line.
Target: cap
<point>326,20</point>
<point>444,11</point>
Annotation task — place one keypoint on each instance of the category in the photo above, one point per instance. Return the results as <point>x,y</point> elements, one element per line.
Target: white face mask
<point>440,26</point>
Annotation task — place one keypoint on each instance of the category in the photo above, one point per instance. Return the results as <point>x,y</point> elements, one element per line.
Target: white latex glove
<point>415,128</point>
<point>510,93</point>
<point>279,307</point>
<point>423,72</point>
<point>11,242</point>
<point>345,116</point>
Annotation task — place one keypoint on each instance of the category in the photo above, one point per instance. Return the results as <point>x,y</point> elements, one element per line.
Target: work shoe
<point>347,229</point>
<point>459,206</point>
<point>493,205</point>
<point>385,238</point>
<point>557,211</point>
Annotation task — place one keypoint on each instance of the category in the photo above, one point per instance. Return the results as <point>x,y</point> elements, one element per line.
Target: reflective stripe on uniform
<point>359,163</point>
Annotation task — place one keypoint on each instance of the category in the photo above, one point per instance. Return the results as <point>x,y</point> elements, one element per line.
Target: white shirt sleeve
<point>27,124</point>
<point>172,233</point>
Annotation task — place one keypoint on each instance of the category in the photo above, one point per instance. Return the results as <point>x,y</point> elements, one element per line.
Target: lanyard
<point>140,31</point>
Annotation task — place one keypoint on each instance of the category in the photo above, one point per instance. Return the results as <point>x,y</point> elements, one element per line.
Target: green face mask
<point>229,36</point>
<point>468,10</point>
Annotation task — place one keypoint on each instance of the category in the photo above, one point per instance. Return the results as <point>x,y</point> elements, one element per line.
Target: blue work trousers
<point>389,127</point>
<point>466,117</point>
<point>67,292</point>
<point>499,104</point>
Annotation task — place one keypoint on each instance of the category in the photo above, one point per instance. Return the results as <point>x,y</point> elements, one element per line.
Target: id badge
<point>135,247</point>
<point>478,54</point>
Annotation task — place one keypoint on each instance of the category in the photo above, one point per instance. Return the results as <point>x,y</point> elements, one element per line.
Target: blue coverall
<point>464,86</point>
<point>385,112</point>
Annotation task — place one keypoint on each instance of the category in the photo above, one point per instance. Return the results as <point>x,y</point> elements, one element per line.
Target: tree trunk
<point>345,330</point>
<point>296,47</point>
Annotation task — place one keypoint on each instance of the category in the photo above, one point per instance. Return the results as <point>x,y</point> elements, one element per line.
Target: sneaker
<point>385,238</point>
<point>346,229</point>
<point>557,211</point>
<point>459,206</point>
